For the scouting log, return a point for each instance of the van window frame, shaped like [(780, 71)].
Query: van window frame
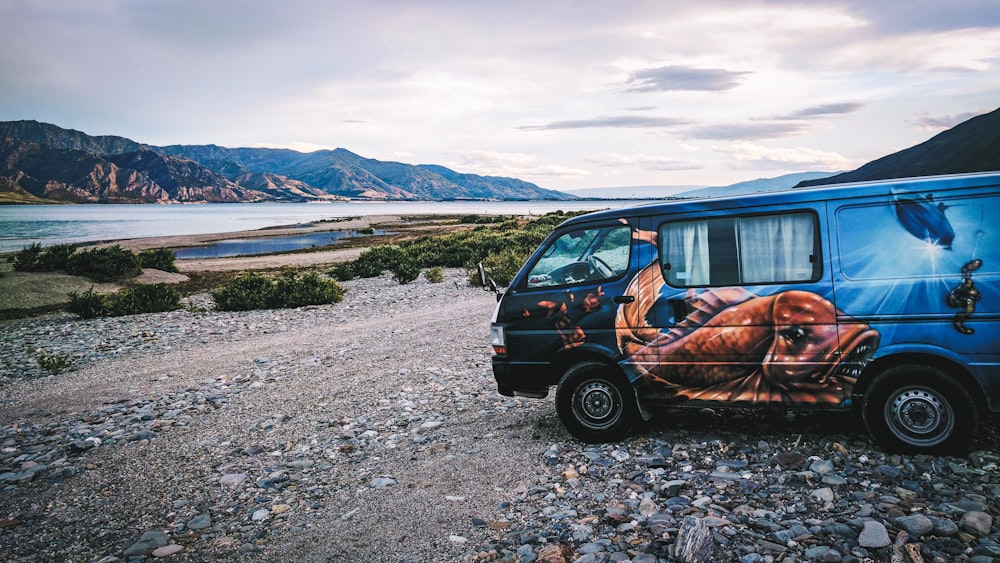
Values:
[(816, 256), (940, 198), (541, 255)]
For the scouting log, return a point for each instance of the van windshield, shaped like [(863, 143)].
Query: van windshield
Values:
[(585, 255)]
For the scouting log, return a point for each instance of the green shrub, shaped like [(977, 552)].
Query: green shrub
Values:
[(484, 219), (343, 272), (35, 258), (57, 256), (133, 300), (292, 290), (501, 242), (54, 363), (28, 259), (376, 260), (435, 274), (87, 305), (112, 263), (142, 298), (405, 271), (245, 293), (158, 259), (254, 291), (501, 267)]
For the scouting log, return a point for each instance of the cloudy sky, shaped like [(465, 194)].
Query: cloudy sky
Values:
[(566, 94)]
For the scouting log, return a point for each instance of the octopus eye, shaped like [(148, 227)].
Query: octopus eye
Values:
[(793, 335)]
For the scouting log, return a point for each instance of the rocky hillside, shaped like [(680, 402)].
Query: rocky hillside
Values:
[(33, 172), (970, 146), (40, 162)]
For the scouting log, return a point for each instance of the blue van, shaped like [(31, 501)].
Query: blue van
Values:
[(881, 296)]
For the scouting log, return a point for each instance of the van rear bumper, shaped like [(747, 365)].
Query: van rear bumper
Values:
[(521, 380)]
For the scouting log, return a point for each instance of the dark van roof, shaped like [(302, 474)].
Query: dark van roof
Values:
[(799, 195)]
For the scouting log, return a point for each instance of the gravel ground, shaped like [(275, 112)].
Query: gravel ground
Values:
[(371, 430)]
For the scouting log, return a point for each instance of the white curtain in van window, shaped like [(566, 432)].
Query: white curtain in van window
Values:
[(687, 253), (776, 248)]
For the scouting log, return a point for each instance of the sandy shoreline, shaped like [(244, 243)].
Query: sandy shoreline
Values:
[(23, 290), (337, 253)]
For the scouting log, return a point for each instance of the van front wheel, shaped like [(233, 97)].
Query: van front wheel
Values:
[(919, 409), (596, 403)]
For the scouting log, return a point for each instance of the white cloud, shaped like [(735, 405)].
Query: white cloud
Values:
[(942, 122), (295, 146), (629, 121), (679, 77), (648, 162), (920, 52), (749, 155), (670, 92), (520, 165), (751, 130)]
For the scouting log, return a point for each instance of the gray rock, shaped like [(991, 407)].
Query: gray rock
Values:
[(383, 482), (834, 480), (694, 542), (976, 523), (824, 494), (821, 466), (147, 543), (915, 524), (232, 479), (943, 526), (200, 522), (874, 535)]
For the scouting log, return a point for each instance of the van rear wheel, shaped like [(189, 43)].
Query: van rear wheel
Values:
[(919, 409), (596, 403)]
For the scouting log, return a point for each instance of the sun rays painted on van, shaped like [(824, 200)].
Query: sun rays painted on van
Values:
[(268, 245)]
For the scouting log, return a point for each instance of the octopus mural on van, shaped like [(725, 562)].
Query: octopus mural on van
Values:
[(735, 346)]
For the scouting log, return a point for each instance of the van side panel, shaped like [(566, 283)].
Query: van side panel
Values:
[(923, 268), (751, 343)]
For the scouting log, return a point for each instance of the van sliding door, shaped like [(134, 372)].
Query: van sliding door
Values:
[(743, 312)]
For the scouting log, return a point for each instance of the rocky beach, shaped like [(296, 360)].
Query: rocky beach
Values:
[(371, 430)]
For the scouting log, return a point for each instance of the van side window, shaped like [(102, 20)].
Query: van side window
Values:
[(586, 255), (746, 250), (927, 236)]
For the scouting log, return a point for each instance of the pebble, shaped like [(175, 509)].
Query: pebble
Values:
[(689, 487)]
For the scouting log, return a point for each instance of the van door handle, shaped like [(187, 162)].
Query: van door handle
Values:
[(622, 299)]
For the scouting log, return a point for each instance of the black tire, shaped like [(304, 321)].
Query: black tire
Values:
[(596, 403), (919, 409)]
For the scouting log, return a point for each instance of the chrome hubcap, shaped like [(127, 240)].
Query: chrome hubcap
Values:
[(918, 415), (599, 404)]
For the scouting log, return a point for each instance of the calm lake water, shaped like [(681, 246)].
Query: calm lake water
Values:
[(268, 245), (21, 225)]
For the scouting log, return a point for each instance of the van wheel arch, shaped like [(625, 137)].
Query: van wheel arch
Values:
[(596, 402), (954, 370), (564, 362), (913, 407)]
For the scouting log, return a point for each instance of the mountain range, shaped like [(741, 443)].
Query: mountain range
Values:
[(44, 163)]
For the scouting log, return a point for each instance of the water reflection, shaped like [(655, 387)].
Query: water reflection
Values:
[(267, 245)]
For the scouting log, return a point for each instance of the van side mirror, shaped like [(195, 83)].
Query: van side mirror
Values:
[(488, 283)]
